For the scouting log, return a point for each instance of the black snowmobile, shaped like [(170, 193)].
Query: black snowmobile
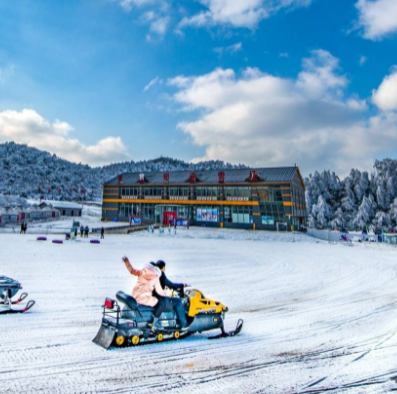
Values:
[(131, 324), (8, 289)]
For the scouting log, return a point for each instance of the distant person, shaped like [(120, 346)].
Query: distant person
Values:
[(81, 231), (86, 230), (25, 227), (22, 228), (102, 233)]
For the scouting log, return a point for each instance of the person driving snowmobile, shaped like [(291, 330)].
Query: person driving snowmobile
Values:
[(164, 281), (148, 282), (166, 303)]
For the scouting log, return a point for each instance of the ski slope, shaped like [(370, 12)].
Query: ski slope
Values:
[(318, 317)]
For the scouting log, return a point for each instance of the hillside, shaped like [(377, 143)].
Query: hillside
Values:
[(30, 172)]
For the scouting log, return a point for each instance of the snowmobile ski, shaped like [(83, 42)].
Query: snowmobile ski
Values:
[(20, 299), (28, 306), (226, 334), (8, 290)]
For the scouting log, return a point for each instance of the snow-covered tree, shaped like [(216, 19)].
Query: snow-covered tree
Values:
[(365, 213)]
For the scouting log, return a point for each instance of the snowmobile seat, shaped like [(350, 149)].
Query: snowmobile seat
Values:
[(127, 300), (145, 308), (131, 302)]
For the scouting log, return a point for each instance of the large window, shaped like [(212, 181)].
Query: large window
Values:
[(128, 210), (148, 211), (130, 193), (272, 213), (207, 193), (269, 194), (152, 193), (238, 193), (236, 214), (179, 193)]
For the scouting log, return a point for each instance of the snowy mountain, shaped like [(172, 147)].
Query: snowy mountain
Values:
[(29, 172)]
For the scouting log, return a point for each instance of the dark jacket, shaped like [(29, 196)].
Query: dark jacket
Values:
[(165, 282)]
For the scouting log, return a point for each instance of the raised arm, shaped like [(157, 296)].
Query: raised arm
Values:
[(130, 268)]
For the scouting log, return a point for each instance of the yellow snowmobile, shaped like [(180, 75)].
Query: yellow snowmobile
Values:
[(131, 324)]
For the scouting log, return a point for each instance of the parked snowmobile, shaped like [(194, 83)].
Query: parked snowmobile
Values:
[(131, 325), (8, 289)]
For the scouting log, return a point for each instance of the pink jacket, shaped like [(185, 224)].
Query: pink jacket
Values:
[(148, 281)]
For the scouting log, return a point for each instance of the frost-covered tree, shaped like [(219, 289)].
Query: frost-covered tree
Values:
[(339, 219), (321, 213), (382, 220), (365, 213)]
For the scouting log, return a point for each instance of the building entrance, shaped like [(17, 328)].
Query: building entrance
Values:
[(169, 218)]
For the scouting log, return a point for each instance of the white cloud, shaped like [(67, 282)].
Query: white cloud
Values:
[(238, 13), (363, 60), (153, 82), (319, 74), (229, 49), (28, 127), (378, 18), (127, 5), (385, 97), (154, 13), (260, 119), (160, 25)]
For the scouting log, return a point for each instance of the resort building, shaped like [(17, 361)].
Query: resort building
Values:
[(262, 198)]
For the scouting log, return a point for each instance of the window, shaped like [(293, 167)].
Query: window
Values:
[(236, 214), (148, 211), (238, 193), (207, 193), (128, 210), (241, 214), (153, 192), (130, 193), (178, 193), (269, 194), (272, 213)]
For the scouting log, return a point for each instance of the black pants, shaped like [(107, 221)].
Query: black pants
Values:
[(166, 304)]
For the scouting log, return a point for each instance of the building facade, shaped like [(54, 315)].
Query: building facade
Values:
[(65, 208), (263, 198)]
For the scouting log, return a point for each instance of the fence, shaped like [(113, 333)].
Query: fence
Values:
[(328, 235)]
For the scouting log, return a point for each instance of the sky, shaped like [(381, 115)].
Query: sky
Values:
[(259, 82)]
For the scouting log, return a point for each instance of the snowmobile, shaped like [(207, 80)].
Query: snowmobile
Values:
[(127, 323), (8, 289)]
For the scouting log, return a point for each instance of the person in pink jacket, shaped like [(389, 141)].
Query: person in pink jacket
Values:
[(148, 280)]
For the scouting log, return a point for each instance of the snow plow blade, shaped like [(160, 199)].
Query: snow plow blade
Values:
[(105, 336), (225, 334)]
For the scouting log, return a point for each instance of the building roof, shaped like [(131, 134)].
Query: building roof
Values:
[(276, 175), (62, 204)]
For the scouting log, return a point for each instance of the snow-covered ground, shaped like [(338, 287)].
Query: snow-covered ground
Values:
[(317, 316)]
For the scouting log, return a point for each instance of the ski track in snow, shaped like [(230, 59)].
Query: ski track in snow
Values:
[(318, 317)]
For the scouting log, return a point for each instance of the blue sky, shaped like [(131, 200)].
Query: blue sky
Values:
[(263, 82)]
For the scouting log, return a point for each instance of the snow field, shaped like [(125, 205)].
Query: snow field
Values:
[(316, 316)]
